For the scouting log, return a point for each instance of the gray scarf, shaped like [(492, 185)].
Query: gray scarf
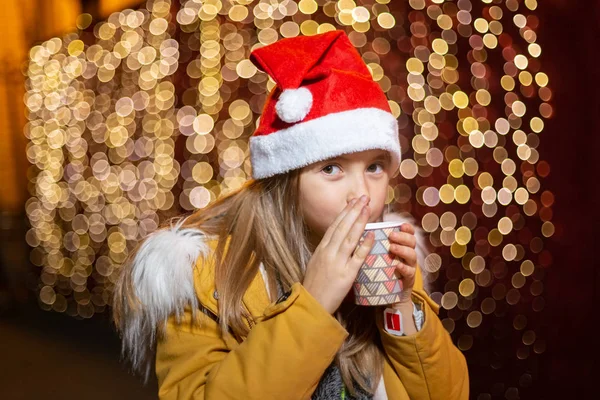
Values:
[(331, 386)]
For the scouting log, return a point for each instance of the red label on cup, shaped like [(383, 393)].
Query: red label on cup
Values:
[(393, 321)]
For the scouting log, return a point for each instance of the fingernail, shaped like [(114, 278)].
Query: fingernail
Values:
[(352, 202), (363, 198)]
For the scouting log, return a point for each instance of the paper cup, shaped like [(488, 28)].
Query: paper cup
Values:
[(376, 283)]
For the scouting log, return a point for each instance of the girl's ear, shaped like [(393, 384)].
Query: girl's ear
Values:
[(421, 248)]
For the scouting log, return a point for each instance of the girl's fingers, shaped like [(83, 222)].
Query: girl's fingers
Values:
[(327, 236), (357, 230), (406, 253), (361, 252), (408, 228), (345, 225), (405, 271), (404, 238)]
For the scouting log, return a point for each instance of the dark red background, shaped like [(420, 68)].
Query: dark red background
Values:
[(568, 36)]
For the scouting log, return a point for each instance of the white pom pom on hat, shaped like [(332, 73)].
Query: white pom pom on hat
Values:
[(294, 105)]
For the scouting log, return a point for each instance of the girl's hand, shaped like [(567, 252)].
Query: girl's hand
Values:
[(333, 267), (402, 245)]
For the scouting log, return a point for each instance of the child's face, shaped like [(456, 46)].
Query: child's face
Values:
[(326, 187)]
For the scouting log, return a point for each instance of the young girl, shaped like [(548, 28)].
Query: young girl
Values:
[(251, 297)]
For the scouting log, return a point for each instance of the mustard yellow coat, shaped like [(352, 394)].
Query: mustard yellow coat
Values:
[(291, 345)]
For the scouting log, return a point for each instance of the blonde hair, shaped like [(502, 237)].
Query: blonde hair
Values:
[(263, 222)]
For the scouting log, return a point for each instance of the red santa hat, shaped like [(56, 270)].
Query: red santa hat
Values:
[(325, 104)]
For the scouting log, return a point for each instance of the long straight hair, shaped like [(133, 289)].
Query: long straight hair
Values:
[(262, 223)]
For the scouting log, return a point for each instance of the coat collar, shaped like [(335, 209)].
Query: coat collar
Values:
[(256, 298)]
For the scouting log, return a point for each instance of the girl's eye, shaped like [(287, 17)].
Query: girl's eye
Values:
[(377, 164), (328, 169)]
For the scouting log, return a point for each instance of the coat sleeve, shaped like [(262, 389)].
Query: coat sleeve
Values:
[(429, 365), (283, 357)]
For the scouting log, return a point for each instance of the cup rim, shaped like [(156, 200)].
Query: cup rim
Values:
[(382, 225)]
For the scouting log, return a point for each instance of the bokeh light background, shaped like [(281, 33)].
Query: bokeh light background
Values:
[(147, 115)]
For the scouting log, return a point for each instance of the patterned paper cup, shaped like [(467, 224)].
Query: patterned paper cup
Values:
[(376, 283)]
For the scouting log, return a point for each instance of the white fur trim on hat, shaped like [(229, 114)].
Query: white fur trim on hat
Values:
[(294, 104), (163, 282), (323, 138)]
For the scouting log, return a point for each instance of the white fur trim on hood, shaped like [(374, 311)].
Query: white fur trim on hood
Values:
[(162, 278)]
